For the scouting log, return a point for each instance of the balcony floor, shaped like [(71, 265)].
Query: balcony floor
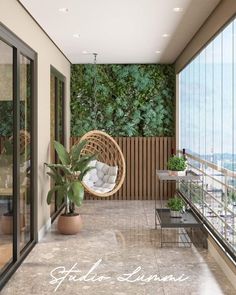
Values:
[(122, 234)]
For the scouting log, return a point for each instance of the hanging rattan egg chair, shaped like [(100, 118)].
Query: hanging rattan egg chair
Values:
[(109, 173)]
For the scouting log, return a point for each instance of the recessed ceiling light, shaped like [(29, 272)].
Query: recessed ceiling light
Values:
[(76, 35), (178, 9), (165, 35), (157, 51), (63, 9), (84, 51)]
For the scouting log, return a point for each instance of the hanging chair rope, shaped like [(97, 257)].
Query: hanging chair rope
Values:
[(95, 90)]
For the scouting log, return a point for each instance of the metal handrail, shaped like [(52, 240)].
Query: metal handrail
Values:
[(213, 197), (212, 165)]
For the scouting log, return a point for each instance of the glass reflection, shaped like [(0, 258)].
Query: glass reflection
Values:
[(25, 150), (6, 154)]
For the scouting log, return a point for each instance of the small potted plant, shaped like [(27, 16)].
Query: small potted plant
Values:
[(67, 177), (177, 166), (176, 206)]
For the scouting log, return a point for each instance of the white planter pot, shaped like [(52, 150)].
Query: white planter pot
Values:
[(176, 214), (177, 173)]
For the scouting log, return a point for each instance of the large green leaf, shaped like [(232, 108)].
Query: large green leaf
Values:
[(84, 172), (78, 193), (76, 150), (51, 192), (58, 179), (61, 195), (65, 169), (83, 162), (62, 153)]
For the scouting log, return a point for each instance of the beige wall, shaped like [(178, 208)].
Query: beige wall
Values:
[(13, 16), (225, 10)]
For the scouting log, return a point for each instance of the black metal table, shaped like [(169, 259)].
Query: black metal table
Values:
[(188, 220)]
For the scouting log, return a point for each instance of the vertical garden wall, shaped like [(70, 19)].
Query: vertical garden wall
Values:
[(125, 100)]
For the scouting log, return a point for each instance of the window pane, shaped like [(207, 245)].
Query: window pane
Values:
[(217, 86), (183, 108), (197, 106), (227, 140), (188, 131), (202, 89), (6, 153), (208, 130)]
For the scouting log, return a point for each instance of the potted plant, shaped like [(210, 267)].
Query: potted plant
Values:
[(176, 206), (177, 166), (67, 177)]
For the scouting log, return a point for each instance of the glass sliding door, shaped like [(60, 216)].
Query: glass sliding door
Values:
[(6, 154), (18, 188), (57, 123)]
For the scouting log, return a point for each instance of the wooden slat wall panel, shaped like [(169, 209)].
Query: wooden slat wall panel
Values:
[(143, 155), (140, 172), (132, 167), (165, 156), (136, 163), (149, 179)]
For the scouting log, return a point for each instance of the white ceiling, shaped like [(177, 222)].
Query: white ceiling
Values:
[(121, 31)]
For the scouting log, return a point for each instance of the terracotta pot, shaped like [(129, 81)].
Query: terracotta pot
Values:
[(7, 223), (69, 224)]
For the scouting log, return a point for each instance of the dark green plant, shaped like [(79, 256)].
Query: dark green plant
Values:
[(6, 115), (176, 163), (6, 158), (68, 175), (175, 204), (131, 100)]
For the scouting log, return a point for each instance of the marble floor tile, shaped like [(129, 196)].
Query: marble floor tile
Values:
[(119, 242)]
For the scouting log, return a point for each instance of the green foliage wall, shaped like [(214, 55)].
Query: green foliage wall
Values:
[(131, 100)]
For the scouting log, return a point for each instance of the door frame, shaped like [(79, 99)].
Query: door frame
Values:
[(20, 47), (62, 78)]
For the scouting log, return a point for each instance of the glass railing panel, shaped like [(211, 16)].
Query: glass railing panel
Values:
[(214, 197)]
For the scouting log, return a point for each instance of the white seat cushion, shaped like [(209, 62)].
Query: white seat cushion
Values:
[(102, 178)]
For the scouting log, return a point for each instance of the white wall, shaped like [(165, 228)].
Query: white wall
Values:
[(15, 18)]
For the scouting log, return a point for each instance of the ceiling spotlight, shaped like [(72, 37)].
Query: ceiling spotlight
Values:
[(76, 35), (165, 35), (63, 9), (157, 51), (178, 9)]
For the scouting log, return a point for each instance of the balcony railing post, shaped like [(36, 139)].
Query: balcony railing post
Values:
[(225, 205)]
